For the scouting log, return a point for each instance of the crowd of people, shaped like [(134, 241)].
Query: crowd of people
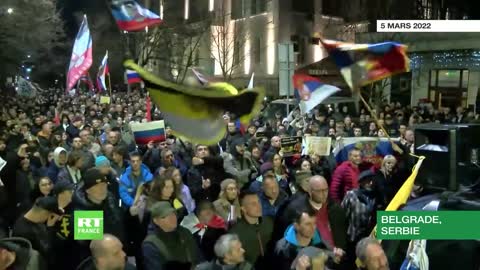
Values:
[(240, 204)]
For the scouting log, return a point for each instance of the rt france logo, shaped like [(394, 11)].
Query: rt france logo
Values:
[(88, 225)]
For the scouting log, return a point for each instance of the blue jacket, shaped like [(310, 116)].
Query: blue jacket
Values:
[(287, 249), (271, 210), (127, 187)]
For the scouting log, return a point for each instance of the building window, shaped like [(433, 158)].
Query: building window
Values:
[(237, 9), (258, 6), (236, 53), (257, 50), (331, 7), (448, 87)]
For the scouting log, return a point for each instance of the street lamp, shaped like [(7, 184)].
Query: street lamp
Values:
[(9, 10), (28, 56)]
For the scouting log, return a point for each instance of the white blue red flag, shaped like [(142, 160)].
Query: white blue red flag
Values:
[(310, 91), (148, 132), (102, 74), (373, 149), (133, 77), (130, 16), (81, 59)]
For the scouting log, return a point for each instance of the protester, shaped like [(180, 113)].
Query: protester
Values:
[(169, 246), (371, 254), (229, 255), (228, 206), (17, 253)]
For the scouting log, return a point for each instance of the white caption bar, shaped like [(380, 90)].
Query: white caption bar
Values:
[(428, 26)]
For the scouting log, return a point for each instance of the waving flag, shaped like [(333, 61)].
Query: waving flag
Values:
[(196, 113), (250, 83), (133, 77), (81, 59), (362, 64), (102, 73), (310, 91), (373, 149), (148, 132), (85, 79), (130, 16)]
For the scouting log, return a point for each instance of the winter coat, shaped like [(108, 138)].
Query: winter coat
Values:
[(54, 167), (344, 178), (213, 169), (287, 248), (222, 207), (255, 238), (127, 187), (271, 210), (113, 220), (240, 166), (64, 175), (336, 217), (173, 250), (26, 258)]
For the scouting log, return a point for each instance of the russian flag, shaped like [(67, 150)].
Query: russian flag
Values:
[(373, 149), (363, 64), (102, 73), (148, 132), (310, 91), (130, 16), (133, 77)]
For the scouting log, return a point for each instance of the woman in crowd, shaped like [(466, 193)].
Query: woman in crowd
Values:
[(42, 188), (227, 206), (163, 189), (182, 190)]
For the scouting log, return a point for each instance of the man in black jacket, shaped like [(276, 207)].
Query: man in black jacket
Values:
[(206, 174), (168, 246), (93, 195)]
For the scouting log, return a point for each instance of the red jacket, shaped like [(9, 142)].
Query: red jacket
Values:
[(344, 178)]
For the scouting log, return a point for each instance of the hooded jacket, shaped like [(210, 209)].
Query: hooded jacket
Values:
[(54, 167), (127, 185), (26, 257), (286, 250)]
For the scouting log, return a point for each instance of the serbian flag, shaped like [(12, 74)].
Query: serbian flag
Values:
[(310, 91), (81, 59), (133, 77), (130, 16), (148, 132), (362, 64), (102, 73)]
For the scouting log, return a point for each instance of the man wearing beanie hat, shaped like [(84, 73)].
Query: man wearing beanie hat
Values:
[(102, 163), (93, 194)]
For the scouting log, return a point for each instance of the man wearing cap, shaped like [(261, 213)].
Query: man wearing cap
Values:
[(93, 194), (169, 246), (17, 253), (238, 162), (36, 225)]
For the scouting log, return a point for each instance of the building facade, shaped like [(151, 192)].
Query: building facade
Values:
[(243, 36)]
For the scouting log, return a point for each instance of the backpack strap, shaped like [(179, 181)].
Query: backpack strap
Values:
[(159, 245)]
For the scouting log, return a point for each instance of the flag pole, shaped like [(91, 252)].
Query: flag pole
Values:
[(110, 84)]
